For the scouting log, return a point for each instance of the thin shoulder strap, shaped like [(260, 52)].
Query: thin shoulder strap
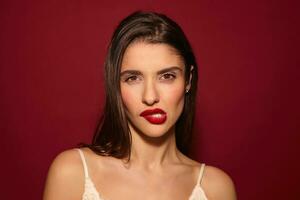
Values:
[(201, 174), (86, 173)]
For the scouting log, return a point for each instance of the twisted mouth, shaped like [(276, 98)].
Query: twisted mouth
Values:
[(154, 116)]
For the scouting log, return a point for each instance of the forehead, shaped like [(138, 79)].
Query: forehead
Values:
[(150, 57)]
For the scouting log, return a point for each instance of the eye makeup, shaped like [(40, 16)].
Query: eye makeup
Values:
[(166, 74)]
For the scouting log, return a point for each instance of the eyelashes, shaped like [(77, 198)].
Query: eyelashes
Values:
[(132, 79), (166, 77)]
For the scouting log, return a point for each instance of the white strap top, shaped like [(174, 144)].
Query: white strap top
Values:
[(91, 193)]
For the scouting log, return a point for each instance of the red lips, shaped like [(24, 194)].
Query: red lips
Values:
[(155, 116)]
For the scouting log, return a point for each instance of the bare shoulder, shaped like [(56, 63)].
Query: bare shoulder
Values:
[(67, 162), (218, 184), (65, 177)]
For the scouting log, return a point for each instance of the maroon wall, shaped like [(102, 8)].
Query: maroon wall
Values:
[(51, 87)]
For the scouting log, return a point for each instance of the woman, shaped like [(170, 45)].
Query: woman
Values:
[(138, 151)]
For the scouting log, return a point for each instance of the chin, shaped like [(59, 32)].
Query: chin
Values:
[(152, 131), (155, 134)]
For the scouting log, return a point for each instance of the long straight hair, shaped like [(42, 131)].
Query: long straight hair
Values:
[(112, 136)]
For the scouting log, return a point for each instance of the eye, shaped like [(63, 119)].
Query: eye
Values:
[(168, 76), (131, 79)]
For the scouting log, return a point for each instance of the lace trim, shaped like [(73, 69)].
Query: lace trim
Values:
[(198, 194), (90, 192)]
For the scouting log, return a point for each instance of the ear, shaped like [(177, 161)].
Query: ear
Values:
[(188, 86)]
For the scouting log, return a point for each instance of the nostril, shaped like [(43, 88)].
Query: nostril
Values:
[(150, 101)]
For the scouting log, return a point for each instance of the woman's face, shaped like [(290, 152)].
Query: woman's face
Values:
[(152, 87)]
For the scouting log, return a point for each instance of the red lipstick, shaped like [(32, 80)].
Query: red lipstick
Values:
[(155, 116)]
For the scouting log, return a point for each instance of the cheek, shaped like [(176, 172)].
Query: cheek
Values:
[(129, 97), (175, 96)]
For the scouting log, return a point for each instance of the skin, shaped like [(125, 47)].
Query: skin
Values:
[(157, 170)]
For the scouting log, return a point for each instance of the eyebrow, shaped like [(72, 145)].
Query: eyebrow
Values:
[(173, 68), (136, 72)]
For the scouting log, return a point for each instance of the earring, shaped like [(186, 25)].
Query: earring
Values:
[(186, 91)]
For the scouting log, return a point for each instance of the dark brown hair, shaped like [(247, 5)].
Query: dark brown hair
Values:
[(113, 137)]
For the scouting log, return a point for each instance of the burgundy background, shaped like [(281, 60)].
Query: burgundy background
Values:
[(51, 87)]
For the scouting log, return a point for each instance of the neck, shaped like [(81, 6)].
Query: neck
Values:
[(153, 152)]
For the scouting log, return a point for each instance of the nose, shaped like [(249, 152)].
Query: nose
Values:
[(150, 93)]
